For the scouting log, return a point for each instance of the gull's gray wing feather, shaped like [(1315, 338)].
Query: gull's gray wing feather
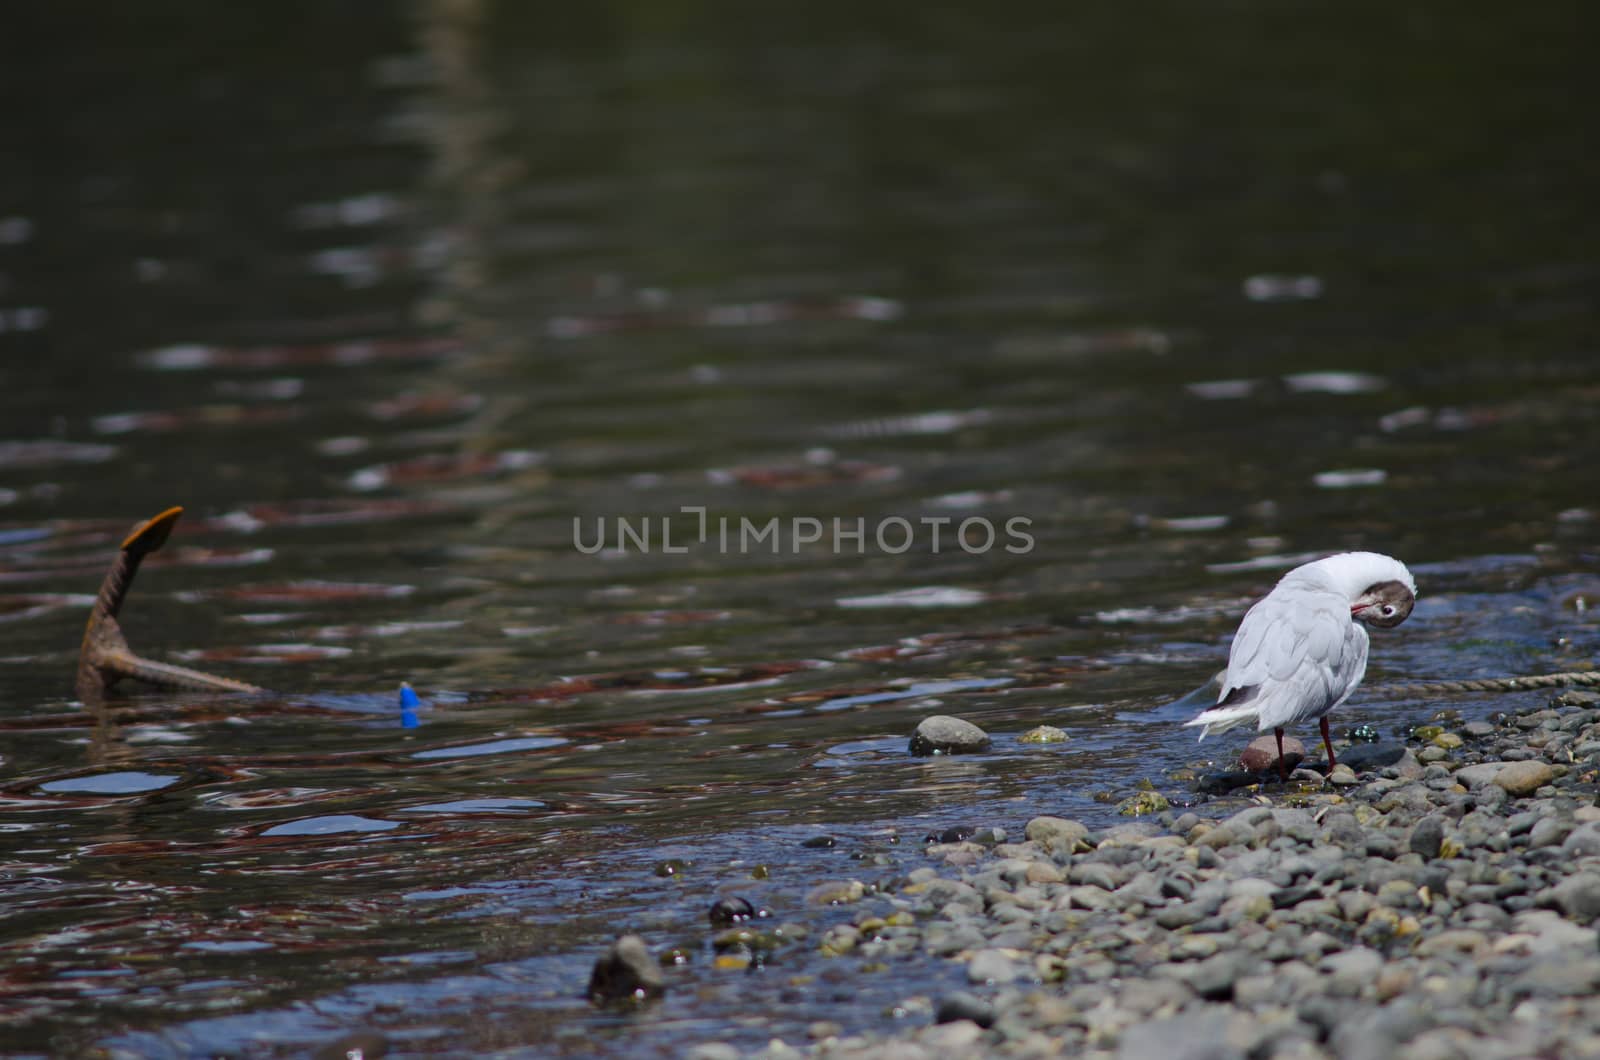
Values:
[(1299, 652)]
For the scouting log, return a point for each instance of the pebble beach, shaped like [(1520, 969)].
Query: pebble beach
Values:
[(1441, 906)]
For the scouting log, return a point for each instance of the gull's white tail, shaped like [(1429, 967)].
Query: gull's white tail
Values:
[(1221, 719)]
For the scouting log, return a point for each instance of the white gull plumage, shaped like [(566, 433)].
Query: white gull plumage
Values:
[(1302, 649)]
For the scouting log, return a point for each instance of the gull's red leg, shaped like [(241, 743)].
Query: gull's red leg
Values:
[(1327, 741), (1283, 772)]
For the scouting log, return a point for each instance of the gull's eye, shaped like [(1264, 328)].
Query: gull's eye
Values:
[(1388, 610)]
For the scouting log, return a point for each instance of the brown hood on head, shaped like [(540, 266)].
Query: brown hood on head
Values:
[(1384, 604)]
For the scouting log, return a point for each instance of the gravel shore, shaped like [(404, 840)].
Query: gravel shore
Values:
[(1443, 906)]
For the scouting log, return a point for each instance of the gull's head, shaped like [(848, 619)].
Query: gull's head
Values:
[(1381, 589), (1384, 604)]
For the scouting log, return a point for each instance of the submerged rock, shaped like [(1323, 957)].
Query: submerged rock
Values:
[(1141, 803), (626, 972), (1222, 783), (1043, 734), (1364, 758), (941, 734), (731, 910)]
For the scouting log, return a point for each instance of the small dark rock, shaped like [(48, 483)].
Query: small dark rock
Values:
[(671, 867), (820, 842), (1222, 783), (1379, 845), (1284, 897), (941, 734), (626, 972), (1213, 978), (731, 910), (1427, 837), (965, 1006), (1366, 758)]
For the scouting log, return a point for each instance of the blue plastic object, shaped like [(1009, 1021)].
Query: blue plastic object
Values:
[(409, 702)]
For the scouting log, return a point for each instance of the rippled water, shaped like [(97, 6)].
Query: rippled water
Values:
[(404, 307)]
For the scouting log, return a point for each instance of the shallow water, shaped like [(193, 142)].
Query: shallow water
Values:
[(388, 302)]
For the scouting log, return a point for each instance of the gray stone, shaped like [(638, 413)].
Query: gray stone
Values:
[(836, 892), (1480, 775), (1427, 837), (993, 966), (1056, 834), (1377, 1034), (1368, 757), (1353, 970), (1213, 978), (1562, 975), (1180, 916), (1551, 931), (1579, 896), (941, 734), (626, 972), (1548, 832), (1094, 874), (1583, 841), (1198, 1034), (1524, 778)]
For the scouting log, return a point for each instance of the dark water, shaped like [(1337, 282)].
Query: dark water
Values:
[(389, 297)]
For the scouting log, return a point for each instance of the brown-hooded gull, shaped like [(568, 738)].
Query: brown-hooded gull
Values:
[(1302, 649)]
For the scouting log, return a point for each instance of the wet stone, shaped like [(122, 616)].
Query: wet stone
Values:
[(1342, 776), (964, 1006), (731, 910), (1368, 758), (1262, 753), (1142, 803), (836, 892), (1056, 834), (941, 734), (626, 972)]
